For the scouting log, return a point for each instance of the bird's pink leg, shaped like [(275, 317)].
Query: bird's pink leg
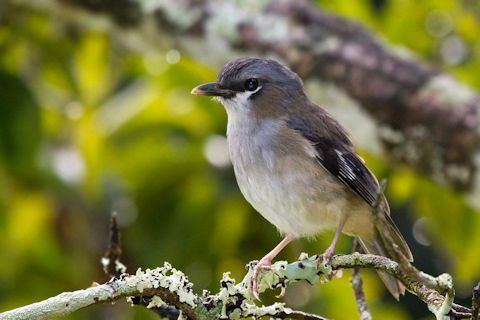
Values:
[(328, 254), (266, 263)]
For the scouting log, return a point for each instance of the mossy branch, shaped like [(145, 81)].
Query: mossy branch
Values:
[(168, 291), (168, 286)]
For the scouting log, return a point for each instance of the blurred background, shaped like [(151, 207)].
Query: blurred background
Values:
[(89, 126)]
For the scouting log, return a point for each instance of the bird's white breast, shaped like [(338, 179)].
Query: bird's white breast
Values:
[(278, 174)]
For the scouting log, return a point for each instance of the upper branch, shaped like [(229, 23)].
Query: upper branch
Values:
[(427, 119)]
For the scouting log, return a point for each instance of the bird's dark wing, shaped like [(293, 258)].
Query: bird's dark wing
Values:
[(348, 167), (336, 153)]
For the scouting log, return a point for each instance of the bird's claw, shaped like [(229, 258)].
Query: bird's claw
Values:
[(327, 255), (323, 263), (261, 265)]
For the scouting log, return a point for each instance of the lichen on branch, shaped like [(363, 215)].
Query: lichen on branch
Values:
[(170, 287)]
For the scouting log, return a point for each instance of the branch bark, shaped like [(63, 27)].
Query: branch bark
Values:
[(163, 286), (167, 286), (111, 260), (357, 285), (426, 118), (476, 302), (166, 283)]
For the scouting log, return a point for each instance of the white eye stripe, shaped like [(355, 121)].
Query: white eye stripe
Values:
[(239, 102), (247, 94), (256, 90)]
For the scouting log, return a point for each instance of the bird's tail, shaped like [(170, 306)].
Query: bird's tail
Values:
[(387, 241)]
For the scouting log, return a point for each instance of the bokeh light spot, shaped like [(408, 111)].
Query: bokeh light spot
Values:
[(215, 151)]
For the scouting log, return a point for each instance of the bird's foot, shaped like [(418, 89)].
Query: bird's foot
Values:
[(263, 264), (323, 262), (328, 254)]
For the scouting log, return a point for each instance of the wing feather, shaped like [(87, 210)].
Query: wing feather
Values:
[(348, 168), (335, 152)]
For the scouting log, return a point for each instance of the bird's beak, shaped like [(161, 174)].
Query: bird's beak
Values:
[(212, 89)]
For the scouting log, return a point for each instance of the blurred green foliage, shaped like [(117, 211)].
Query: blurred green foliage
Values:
[(89, 127)]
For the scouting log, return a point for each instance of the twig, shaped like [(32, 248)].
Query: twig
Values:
[(432, 298), (460, 308), (357, 285), (436, 302), (299, 315), (114, 268), (165, 311), (456, 315), (111, 260), (476, 302)]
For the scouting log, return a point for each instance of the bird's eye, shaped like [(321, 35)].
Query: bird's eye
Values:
[(251, 84)]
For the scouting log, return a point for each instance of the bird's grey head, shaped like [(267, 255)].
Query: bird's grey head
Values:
[(256, 86)]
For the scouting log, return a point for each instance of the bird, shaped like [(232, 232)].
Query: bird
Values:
[(297, 166)]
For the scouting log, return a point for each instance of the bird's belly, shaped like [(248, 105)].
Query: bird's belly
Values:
[(296, 195)]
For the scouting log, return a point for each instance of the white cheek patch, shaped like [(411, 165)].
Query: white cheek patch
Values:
[(239, 102)]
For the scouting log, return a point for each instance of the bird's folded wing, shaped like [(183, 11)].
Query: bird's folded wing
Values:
[(335, 152), (350, 170)]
